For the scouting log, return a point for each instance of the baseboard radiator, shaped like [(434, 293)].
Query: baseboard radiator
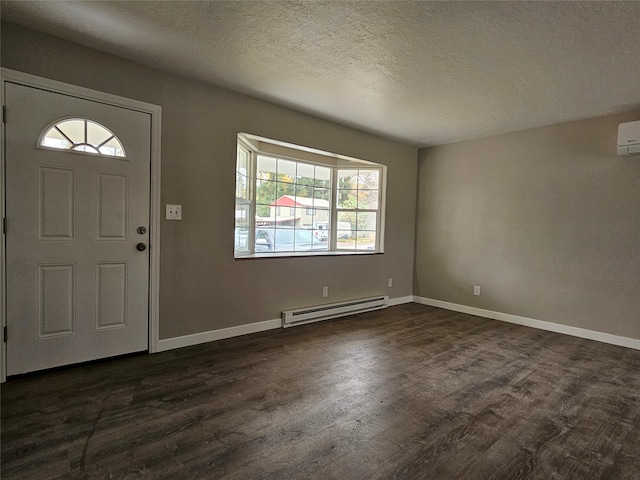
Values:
[(333, 310)]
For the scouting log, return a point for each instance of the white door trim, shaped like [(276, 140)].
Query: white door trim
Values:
[(155, 112)]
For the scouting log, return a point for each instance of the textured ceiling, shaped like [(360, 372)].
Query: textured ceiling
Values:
[(425, 73)]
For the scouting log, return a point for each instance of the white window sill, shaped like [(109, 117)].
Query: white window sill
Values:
[(338, 253)]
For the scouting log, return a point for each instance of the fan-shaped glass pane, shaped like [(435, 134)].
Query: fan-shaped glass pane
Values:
[(82, 135), (97, 134), (73, 130), (112, 147), (55, 139), (85, 148)]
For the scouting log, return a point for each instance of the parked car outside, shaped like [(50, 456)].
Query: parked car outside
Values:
[(321, 235), (344, 230), (287, 240), (321, 230)]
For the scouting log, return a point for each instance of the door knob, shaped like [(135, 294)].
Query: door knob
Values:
[(141, 247)]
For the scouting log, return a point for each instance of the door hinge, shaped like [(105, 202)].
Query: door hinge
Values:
[(4, 114), (4, 225), (4, 334)]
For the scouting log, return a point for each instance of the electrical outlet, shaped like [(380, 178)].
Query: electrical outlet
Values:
[(476, 289), (174, 212), (390, 283), (325, 292)]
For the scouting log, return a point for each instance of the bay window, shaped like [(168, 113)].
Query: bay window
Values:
[(293, 200)]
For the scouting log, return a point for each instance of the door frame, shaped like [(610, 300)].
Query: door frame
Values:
[(155, 111)]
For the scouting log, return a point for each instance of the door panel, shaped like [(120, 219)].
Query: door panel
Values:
[(112, 206), (55, 203), (77, 287), (56, 302), (111, 291)]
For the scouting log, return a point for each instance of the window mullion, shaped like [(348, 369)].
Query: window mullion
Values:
[(251, 185), (333, 205)]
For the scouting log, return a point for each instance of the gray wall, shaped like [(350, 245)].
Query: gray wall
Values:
[(202, 287), (546, 221)]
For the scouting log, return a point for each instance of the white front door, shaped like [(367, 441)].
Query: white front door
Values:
[(77, 285)]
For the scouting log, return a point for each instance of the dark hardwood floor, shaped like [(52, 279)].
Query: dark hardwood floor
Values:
[(411, 392)]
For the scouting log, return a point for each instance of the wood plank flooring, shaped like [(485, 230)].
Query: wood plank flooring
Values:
[(410, 392)]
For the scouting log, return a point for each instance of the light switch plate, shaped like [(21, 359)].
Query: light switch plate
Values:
[(174, 212)]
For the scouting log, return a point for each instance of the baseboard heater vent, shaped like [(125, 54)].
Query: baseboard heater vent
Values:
[(333, 310)]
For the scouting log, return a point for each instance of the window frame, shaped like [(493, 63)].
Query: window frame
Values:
[(335, 214), (336, 162), (250, 187)]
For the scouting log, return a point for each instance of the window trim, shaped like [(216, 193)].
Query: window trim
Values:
[(310, 156)]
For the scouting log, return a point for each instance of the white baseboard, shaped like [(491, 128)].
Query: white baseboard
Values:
[(399, 300), (531, 322), (212, 335)]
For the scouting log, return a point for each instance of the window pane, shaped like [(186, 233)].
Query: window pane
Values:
[(85, 148), (73, 129), (346, 220), (368, 179), (347, 178), (54, 139), (264, 240), (265, 192), (113, 147), (321, 204), (266, 168), (286, 171), (54, 133), (242, 162), (283, 216), (97, 134), (321, 231), (366, 241), (305, 174), (366, 220), (241, 186), (241, 243), (368, 199), (323, 177), (304, 195), (347, 199), (242, 227), (345, 230), (263, 212), (322, 194), (285, 240), (321, 216), (283, 189), (304, 240), (302, 220)]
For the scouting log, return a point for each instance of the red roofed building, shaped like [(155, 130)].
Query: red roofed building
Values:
[(296, 211)]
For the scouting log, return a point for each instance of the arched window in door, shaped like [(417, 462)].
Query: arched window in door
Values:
[(83, 135)]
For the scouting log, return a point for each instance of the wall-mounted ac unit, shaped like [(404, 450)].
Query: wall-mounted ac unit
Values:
[(629, 139)]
